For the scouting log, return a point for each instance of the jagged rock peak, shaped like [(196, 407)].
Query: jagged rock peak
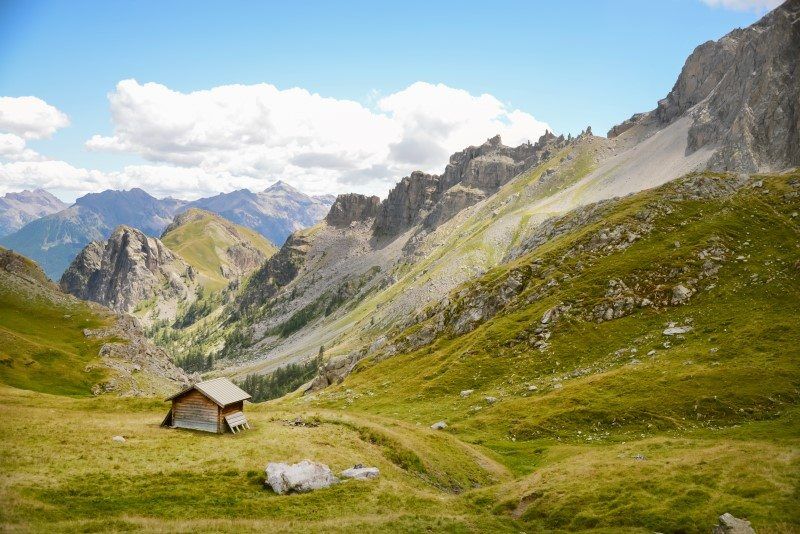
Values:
[(480, 171), (352, 207), (742, 96), (128, 268)]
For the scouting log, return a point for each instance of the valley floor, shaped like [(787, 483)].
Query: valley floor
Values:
[(61, 471)]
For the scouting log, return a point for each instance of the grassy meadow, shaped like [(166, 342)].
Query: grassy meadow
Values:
[(610, 427)]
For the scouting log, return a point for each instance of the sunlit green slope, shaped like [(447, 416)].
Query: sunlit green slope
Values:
[(577, 394)]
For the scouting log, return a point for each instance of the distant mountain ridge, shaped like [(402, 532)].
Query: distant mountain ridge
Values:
[(275, 212), (55, 239), (18, 209), (157, 279)]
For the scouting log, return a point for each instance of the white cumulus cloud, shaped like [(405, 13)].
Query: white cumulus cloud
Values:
[(757, 6), (248, 136), (30, 117), (233, 135)]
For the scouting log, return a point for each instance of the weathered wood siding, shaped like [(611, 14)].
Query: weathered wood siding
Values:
[(235, 407), (194, 410)]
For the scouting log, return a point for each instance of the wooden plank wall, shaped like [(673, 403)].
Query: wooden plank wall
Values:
[(194, 410)]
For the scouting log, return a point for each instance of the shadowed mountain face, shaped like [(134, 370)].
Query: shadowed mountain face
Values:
[(54, 240), (18, 209), (274, 212)]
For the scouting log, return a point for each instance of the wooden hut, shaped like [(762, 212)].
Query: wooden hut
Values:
[(214, 406)]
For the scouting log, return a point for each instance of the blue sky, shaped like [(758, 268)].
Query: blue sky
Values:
[(568, 64)]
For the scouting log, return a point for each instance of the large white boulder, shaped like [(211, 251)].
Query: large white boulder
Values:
[(300, 477)]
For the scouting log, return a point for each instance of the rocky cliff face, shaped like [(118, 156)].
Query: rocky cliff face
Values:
[(477, 171), (277, 272), (742, 95), (127, 269), (352, 207), (18, 209)]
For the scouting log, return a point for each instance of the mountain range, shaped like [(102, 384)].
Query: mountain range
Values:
[(371, 267), (53, 240), (579, 334), (155, 279), (275, 212), (18, 209)]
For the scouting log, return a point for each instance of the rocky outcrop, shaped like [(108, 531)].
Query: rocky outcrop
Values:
[(728, 524), (476, 171), (131, 353), (359, 472), (626, 125), (352, 207), (334, 370), (277, 272), (742, 96), (127, 269), (408, 202)]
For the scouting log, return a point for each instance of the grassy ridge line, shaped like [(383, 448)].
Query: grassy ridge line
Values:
[(204, 240)]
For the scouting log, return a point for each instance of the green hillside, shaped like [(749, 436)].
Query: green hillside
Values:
[(596, 422), (42, 346), (712, 412), (204, 240)]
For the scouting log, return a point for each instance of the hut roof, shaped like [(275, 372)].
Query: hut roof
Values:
[(220, 390)]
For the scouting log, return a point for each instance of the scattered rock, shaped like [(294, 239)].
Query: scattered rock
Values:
[(680, 294), (676, 330), (490, 400), (359, 472), (640, 457), (467, 392), (299, 421), (532, 388), (300, 477), (441, 425), (732, 525), (118, 439)]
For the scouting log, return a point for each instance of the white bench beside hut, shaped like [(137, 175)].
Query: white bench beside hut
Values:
[(213, 406)]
